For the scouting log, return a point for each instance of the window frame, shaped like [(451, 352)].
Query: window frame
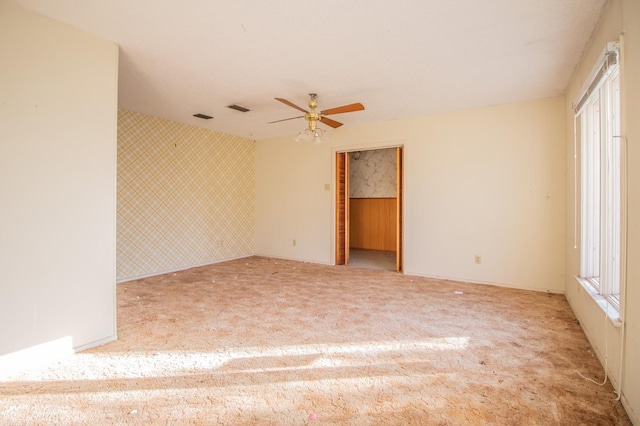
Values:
[(601, 178)]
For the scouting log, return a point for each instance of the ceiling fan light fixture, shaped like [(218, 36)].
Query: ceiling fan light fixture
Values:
[(316, 135)]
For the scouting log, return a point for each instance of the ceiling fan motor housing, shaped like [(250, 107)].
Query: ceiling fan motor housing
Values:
[(312, 116)]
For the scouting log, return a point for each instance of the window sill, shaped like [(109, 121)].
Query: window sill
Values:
[(612, 313)]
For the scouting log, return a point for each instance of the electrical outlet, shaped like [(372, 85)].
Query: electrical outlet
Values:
[(478, 259), (294, 242), (327, 187)]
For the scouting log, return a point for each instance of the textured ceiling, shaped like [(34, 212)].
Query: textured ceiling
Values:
[(400, 58)]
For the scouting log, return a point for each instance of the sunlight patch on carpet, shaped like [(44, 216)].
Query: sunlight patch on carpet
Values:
[(131, 365)]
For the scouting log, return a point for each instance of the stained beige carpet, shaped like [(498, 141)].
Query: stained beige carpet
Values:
[(264, 341)]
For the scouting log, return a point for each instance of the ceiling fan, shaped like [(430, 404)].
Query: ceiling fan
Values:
[(313, 117)]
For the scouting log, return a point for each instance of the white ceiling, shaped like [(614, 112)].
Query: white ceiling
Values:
[(400, 58)]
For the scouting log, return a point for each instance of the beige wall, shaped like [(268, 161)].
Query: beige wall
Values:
[(621, 16), (58, 104), (185, 196), (487, 182)]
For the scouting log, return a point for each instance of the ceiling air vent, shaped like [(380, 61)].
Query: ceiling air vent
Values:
[(203, 116), (238, 108)]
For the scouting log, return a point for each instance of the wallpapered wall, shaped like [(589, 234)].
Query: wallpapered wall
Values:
[(185, 196), (373, 175)]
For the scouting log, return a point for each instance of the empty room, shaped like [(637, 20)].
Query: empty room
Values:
[(281, 212)]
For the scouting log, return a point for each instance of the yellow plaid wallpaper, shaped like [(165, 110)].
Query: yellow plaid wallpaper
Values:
[(185, 196)]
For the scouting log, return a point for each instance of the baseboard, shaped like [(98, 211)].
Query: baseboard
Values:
[(294, 259), (155, 274), (95, 344), (601, 359), (496, 284), (36, 356), (627, 407)]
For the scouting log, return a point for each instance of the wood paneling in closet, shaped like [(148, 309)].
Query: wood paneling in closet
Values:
[(373, 223)]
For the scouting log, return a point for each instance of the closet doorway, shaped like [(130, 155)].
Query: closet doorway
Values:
[(369, 212)]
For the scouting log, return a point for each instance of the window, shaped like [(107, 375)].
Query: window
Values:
[(598, 114)]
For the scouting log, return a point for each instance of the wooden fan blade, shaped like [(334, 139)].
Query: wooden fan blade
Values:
[(345, 108), (285, 119), (292, 105), (330, 122)]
